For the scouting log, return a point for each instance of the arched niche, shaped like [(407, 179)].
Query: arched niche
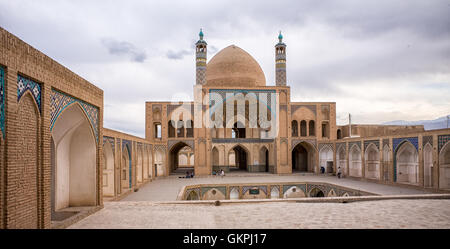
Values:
[(407, 164), (108, 170), (372, 162), (75, 159)]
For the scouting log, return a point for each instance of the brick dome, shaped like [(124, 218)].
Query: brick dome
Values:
[(232, 66)]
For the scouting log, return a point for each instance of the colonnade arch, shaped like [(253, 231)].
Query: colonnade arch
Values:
[(406, 164), (372, 162), (444, 167), (303, 157), (75, 159), (108, 170), (355, 166)]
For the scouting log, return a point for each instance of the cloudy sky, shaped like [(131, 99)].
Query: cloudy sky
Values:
[(379, 60)]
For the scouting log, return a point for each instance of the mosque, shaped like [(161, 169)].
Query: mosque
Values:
[(57, 158)]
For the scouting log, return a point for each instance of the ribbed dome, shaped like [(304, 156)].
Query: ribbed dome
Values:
[(232, 66)]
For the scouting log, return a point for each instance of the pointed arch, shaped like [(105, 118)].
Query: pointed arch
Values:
[(126, 167), (444, 167), (294, 192), (406, 166), (294, 128), (242, 154), (108, 170), (264, 158), (174, 155), (303, 157), (160, 161), (234, 194), (372, 162), (386, 161), (428, 165), (326, 158), (341, 159), (75, 159), (355, 167)]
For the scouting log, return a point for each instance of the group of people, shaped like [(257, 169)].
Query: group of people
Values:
[(338, 173), (219, 173)]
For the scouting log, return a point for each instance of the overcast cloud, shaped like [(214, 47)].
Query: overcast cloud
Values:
[(379, 60)]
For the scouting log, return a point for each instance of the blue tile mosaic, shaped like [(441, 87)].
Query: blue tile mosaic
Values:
[(60, 101), (24, 84), (442, 140)]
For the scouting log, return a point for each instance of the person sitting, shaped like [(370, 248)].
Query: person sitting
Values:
[(192, 174), (188, 175)]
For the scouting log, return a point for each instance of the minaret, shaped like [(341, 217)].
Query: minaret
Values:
[(280, 62), (200, 59)]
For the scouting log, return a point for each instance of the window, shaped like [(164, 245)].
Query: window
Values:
[(312, 131), (157, 130), (303, 128), (294, 128)]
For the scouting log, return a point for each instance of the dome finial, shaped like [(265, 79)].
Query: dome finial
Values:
[(201, 34), (280, 36)]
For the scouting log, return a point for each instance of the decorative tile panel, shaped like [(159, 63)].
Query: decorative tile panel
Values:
[(297, 141), (367, 142), (413, 140), (427, 139), (321, 146), (339, 146), (24, 84), (109, 140), (358, 143), (442, 140), (386, 141), (60, 101)]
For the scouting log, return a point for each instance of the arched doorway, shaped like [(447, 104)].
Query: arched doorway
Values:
[(126, 168), (386, 160), (303, 157), (108, 170), (326, 159), (372, 163), (160, 160), (444, 167), (315, 192), (240, 157), (428, 166), (179, 158), (264, 158), (355, 161), (407, 166), (341, 160), (75, 159)]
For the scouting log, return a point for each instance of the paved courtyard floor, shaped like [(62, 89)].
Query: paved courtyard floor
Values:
[(143, 209), (367, 214), (167, 189)]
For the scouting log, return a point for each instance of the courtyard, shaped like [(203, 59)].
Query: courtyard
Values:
[(154, 205)]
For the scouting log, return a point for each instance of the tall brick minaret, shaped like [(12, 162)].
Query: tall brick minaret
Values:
[(200, 60), (280, 62)]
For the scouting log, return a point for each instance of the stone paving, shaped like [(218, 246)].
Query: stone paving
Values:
[(278, 215), (143, 209), (167, 189)]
